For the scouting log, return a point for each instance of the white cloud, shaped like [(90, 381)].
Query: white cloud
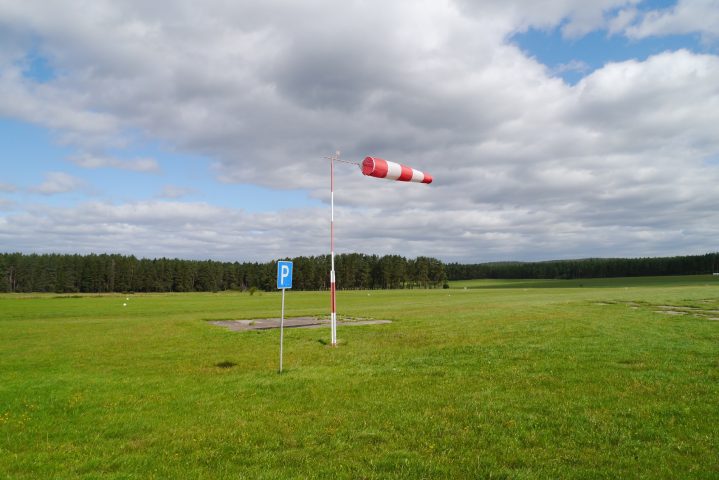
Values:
[(58, 182), (525, 165), (7, 187), (153, 229), (174, 192), (622, 20), (668, 103), (574, 17), (98, 161), (572, 66), (686, 17), (66, 110), (198, 230)]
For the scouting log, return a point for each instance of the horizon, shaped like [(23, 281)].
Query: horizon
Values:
[(271, 260)]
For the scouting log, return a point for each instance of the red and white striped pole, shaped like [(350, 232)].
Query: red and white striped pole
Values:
[(333, 300), (371, 167)]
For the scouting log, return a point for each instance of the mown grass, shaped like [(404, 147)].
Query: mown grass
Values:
[(671, 281), (530, 380)]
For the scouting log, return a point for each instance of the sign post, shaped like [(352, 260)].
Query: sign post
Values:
[(284, 281)]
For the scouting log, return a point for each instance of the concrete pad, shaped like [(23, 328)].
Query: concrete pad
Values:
[(295, 322)]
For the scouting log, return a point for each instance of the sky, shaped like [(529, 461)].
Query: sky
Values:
[(556, 129)]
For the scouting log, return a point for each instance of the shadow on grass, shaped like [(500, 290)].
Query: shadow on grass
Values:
[(225, 364)]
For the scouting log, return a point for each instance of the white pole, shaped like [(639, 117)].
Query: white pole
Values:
[(282, 327)]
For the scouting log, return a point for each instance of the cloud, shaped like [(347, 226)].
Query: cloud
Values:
[(7, 188), (572, 66), (52, 105), (96, 161), (174, 192), (686, 17), (573, 17), (58, 182), (154, 228), (667, 102), (621, 20), (200, 230), (525, 166)]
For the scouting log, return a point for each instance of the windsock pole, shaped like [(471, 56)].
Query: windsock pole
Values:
[(372, 167), (333, 302), (333, 287)]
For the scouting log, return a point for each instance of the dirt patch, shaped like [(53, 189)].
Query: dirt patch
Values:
[(675, 310), (296, 322), (687, 310)]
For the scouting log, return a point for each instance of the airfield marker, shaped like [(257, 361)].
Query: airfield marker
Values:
[(333, 288), (370, 167)]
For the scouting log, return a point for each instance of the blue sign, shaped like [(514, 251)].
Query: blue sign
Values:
[(284, 274)]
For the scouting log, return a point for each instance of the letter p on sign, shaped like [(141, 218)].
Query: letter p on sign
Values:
[(284, 275)]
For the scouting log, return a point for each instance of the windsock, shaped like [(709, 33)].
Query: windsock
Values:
[(377, 167)]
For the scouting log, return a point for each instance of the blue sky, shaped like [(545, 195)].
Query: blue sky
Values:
[(594, 50), (33, 151), (570, 129)]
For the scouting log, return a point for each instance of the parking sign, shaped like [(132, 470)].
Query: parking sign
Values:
[(284, 275)]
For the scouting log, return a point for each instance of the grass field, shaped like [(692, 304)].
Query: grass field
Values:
[(591, 379)]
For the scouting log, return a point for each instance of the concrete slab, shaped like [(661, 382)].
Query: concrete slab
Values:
[(295, 322)]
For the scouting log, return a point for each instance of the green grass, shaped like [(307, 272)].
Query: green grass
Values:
[(506, 379), (698, 280)]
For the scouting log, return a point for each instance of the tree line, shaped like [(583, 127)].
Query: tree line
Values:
[(588, 268), (93, 273), (119, 273)]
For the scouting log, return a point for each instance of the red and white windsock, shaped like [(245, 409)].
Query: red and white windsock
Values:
[(377, 167)]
